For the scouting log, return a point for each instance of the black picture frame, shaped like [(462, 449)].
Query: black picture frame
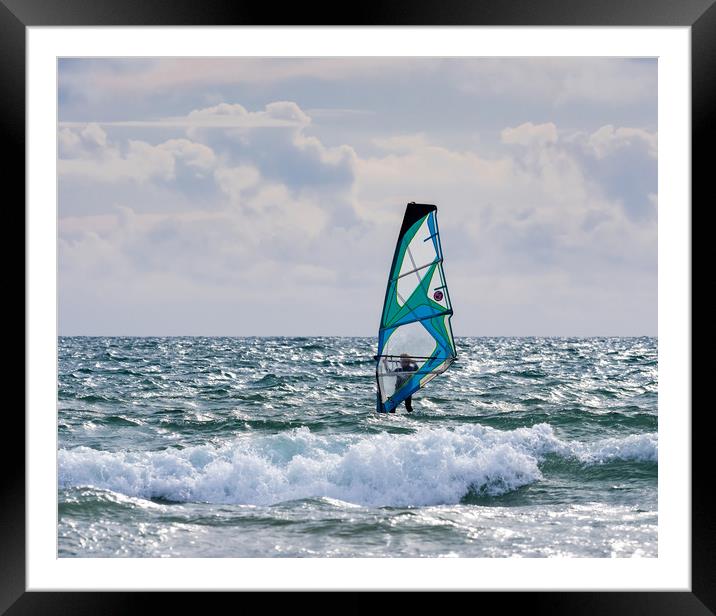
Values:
[(700, 15)]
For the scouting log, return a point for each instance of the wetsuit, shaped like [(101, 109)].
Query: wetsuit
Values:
[(402, 376)]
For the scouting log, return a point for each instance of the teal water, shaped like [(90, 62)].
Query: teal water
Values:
[(259, 447)]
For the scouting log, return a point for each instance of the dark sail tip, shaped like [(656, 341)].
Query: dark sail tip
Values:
[(413, 213)]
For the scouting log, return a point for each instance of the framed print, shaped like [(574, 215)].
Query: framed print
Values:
[(214, 205)]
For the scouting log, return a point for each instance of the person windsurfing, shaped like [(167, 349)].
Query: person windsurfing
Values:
[(415, 320), (403, 372)]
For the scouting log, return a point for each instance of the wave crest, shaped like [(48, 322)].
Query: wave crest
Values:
[(428, 467)]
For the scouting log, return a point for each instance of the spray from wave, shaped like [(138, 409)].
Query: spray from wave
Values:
[(429, 467)]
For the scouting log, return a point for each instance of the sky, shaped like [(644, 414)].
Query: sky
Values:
[(263, 196)]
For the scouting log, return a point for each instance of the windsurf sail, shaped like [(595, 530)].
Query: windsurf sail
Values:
[(415, 340)]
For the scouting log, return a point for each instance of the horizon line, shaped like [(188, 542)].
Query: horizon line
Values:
[(347, 336)]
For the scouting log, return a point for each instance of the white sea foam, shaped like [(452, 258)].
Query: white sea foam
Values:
[(428, 467)]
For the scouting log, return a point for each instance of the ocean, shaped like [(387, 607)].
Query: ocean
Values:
[(271, 447)]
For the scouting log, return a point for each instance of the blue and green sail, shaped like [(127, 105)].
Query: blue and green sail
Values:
[(416, 314)]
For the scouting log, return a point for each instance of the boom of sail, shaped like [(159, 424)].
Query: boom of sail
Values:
[(415, 330)]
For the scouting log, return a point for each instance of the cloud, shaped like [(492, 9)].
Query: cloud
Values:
[(622, 162), (276, 114), (540, 206), (140, 162), (289, 156), (261, 236), (72, 143), (546, 226), (530, 134), (192, 154), (87, 155), (224, 115), (288, 221), (608, 140), (234, 181), (117, 77), (401, 143), (560, 81)]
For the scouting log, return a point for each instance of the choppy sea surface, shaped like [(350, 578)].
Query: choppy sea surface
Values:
[(262, 447)]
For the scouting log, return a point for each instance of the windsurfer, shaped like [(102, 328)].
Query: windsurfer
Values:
[(403, 372)]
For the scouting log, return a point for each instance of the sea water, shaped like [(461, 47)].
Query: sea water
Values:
[(271, 447)]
